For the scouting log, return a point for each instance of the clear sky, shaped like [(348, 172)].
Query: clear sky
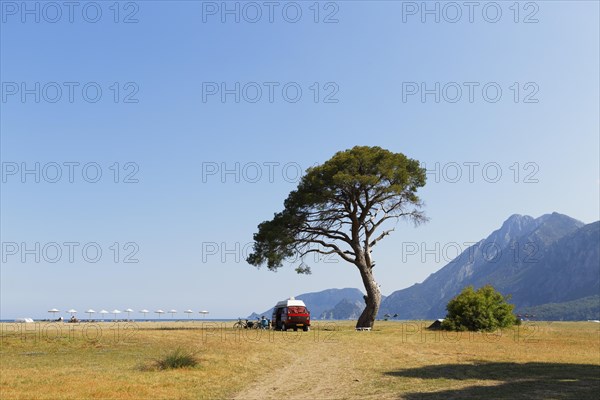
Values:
[(204, 112)]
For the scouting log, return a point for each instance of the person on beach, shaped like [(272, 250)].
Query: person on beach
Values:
[(264, 323)]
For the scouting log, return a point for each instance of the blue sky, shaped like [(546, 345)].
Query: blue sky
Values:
[(177, 212)]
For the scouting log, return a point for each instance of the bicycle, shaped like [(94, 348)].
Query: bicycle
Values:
[(241, 324)]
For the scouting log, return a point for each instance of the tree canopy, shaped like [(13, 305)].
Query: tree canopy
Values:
[(339, 205)]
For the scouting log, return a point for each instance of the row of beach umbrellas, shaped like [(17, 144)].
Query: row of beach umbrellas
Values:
[(115, 312)]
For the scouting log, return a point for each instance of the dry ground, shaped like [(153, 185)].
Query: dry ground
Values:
[(398, 360)]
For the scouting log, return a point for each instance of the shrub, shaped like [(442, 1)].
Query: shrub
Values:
[(484, 309), (177, 358)]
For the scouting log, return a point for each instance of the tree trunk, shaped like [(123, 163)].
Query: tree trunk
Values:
[(372, 299)]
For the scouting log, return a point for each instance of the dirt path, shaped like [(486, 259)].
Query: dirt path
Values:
[(321, 372)]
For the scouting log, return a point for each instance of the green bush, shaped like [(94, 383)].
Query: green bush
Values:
[(484, 309), (177, 358)]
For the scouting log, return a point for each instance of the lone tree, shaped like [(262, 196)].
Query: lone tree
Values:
[(484, 309), (341, 207)]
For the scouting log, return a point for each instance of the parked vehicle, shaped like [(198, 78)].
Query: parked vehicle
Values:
[(291, 314)]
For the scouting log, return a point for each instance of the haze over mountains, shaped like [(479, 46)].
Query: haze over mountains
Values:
[(549, 265)]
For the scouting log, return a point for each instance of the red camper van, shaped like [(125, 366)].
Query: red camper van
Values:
[(291, 314)]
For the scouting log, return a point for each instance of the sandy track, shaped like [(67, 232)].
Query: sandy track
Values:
[(321, 372)]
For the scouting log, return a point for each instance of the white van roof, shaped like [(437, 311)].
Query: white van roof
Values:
[(290, 302)]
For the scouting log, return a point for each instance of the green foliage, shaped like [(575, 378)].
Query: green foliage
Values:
[(177, 358), (484, 309), (341, 202)]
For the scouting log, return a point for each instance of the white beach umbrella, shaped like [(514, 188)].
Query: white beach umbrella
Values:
[(144, 311), (53, 311), (172, 312), (204, 312), (159, 312), (104, 312), (188, 312), (115, 312), (72, 312), (128, 310), (89, 313)]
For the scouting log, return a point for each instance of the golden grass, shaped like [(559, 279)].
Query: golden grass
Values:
[(395, 360)]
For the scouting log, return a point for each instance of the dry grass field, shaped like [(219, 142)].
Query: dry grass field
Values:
[(397, 360)]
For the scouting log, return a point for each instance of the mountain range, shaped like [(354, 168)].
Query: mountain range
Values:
[(322, 303), (548, 265), (550, 259)]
